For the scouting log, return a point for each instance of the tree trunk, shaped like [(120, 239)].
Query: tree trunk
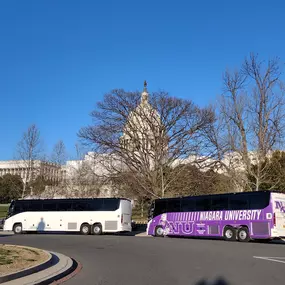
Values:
[(142, 208)]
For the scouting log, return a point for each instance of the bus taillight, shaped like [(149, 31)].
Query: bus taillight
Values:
[(274, 220), (122, 217)]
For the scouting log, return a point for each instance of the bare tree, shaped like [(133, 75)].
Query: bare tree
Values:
[(59, 155), (29, 150), (81, 178), (251, 120), (144, 134)]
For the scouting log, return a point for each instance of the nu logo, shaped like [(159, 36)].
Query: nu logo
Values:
[(279, 205), (179, 227)]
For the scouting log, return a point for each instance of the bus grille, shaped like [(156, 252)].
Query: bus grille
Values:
[(72, 226), (260, 228), (213, 229), (111, 225)]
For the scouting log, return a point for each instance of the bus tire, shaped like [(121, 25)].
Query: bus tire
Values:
[(17, 229), (229, 233), (97, 229), (159, 232), (85, 229), (243, 234)]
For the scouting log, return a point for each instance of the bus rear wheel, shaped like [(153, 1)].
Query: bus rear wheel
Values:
[(97, 229), (85, 229), (229, 233), (18, 229), (159, 232), (243, 234)]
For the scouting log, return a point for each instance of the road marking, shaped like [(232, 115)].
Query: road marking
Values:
[(276, 259)]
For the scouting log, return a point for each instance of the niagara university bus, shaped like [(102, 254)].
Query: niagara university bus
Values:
[(236, 216), (87, 216)]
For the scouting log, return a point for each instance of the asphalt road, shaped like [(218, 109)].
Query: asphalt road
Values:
[(130, 260)]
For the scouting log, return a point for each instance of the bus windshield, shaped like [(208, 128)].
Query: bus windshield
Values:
[(11, 209), (151, 210)]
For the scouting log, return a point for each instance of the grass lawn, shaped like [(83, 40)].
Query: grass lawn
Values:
[(15, 258), (5, 256), (3, 210)]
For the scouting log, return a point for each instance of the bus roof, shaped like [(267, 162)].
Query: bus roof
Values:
[(70, 199), (221, 194)]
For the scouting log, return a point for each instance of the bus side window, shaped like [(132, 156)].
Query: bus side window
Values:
[(188, 204), (239, 202), (203, 203), (35, 206), (259, 200), (160, 207), (21, 206), (64, 206), (80, 206), (219, 203), (95, 204), (17, 208), (173, 205), (111, 204), (49, 206)]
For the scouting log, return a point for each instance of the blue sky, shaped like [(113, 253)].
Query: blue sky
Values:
[(58, 58)]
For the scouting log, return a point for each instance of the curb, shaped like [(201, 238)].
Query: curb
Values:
[(57, 270), (70, 275), (31, 270), (64, 276)]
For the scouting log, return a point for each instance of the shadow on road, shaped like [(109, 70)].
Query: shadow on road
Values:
[(262, 241), (136, 229), (219, 281), (4, 235)]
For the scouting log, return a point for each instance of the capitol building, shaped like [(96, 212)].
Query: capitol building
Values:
[(87, 177)]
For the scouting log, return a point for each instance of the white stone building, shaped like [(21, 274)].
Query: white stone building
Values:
[(48, 170)]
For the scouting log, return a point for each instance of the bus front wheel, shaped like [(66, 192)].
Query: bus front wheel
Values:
[(17, 229), (97, 229), (85, 229), (243, 234), (229, 233), (159, 231)]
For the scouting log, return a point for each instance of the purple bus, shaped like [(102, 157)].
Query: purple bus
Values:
[(236, 216)]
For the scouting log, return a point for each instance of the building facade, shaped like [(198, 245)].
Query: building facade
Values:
[(29, 171)]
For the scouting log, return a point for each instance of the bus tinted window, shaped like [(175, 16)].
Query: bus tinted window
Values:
[(238, 202), (111, 204), (188, 204), (203, 204), (64, 206), (81, 206), (95, 205), (49, 205), (258, 200), (173, 205), (21, 206), (219, 203), (160, 207), (35, 206)]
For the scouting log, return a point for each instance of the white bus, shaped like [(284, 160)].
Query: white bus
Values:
[(87, 216)]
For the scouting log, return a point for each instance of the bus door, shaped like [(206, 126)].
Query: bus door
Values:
[(278, 204)]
